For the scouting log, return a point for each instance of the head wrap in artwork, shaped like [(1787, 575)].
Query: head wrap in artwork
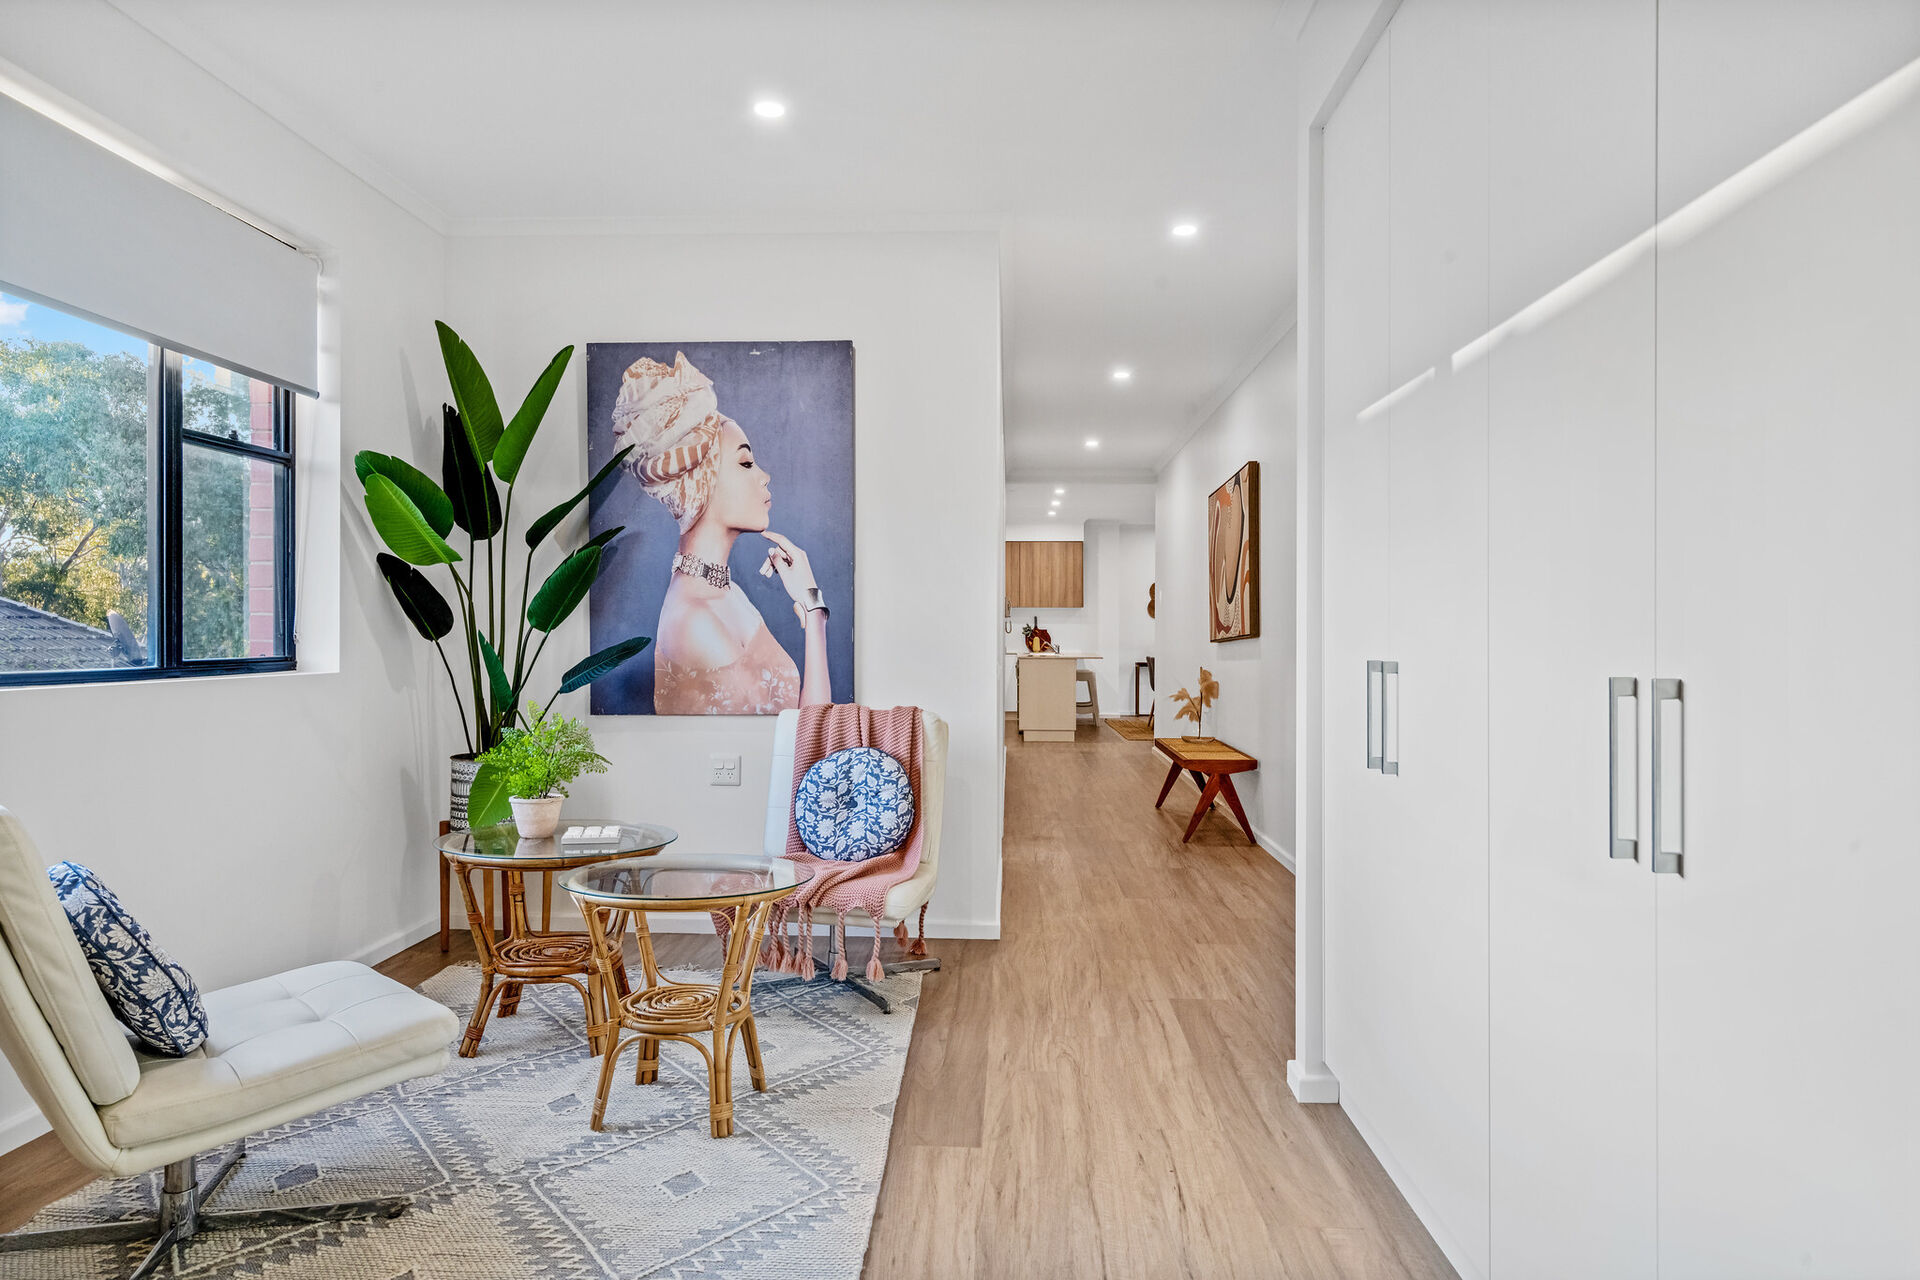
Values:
[(671, 418)]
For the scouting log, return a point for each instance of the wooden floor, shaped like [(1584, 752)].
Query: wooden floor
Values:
[(1101, 1092)]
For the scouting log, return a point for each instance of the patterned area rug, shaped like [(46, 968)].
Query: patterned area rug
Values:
[(507, 1180), (1132, 728)]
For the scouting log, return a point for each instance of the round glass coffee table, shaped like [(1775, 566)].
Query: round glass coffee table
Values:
[(526, 954), (744, 887)]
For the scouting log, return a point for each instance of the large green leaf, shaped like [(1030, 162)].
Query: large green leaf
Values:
[(546, 524), (425, 494), (564, 589), (488, 803), (499, 685), (471, 391), (512, 449), (605, 536), (470, 490), (424, 606), (402, 527), (595, 665)]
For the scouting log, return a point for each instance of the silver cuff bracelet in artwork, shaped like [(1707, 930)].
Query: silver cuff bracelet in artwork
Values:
[(815, 600)]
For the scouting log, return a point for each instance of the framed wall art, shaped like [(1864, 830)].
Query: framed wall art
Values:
[(1233, 557), (737, 501)]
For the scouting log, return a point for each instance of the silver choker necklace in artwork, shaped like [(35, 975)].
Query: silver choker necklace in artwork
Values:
[(716, 575)]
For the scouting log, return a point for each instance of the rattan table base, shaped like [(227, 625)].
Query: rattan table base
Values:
[(526, 955)]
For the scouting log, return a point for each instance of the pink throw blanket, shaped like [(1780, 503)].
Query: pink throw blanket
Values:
[(839, 887)]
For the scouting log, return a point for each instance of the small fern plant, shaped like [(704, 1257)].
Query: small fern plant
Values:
[(532, 762)]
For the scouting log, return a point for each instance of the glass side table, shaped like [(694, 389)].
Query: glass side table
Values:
[(525, 954), (746, 886)]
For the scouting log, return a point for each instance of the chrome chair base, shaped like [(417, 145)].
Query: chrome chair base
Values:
[(859, 984), (182, 1218)]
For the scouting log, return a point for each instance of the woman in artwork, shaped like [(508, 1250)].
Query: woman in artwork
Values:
[(713, 653)]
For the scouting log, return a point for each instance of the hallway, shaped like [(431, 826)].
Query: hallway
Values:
[(1102, 1091)]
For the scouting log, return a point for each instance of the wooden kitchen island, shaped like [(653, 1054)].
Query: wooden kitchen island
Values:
[(1047, 690)]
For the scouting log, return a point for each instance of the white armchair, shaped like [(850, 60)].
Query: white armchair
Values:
[(277, 1049), (905, 899)]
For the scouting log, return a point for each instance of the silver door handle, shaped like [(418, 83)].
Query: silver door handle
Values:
[(1619, 689), (1669, 778), (1390, 717), (1374, 734)]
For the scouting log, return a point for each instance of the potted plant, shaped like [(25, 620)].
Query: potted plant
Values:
[(531, 768), (481, 451)]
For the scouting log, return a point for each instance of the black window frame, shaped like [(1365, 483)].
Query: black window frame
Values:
[(168, 438)]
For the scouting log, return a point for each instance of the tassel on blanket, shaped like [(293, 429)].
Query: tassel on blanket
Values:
[(785, 954), (807, 968), (773, 951), (839, 970), (794, 961), (919, 947), (875, 971)]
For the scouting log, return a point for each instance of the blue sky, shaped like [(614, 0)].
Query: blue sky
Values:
[(22, 319)]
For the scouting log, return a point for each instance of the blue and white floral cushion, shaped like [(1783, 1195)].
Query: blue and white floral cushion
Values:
[(155, 997), (853, 805)]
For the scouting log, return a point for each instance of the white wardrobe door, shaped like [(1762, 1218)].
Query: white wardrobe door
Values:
[(1738, 77), (1354, 173), (1431, 1107), (1789, 606), (1571, 605)]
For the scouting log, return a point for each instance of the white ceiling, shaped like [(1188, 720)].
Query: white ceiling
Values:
[(1123, 501), (1079, 130)]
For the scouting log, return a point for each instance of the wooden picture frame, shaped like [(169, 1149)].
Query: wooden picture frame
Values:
[(1233, 557)]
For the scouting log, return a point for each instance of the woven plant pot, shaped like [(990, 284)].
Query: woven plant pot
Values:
[(462, 769)]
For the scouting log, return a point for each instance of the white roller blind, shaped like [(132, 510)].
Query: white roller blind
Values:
[(83, 229)]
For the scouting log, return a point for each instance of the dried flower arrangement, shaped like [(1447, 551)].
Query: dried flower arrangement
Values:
[(1192, 705)]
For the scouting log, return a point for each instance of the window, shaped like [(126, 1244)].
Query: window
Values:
[(146, 507)]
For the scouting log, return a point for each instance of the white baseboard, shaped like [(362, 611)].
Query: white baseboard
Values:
[(22, 1127), (1415, 1201), (1312, 1085), (1281, 854), (400, 939)]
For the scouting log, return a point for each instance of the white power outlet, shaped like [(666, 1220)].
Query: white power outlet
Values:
[(726, 771)]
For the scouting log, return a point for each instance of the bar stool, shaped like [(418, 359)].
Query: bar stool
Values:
[(1090, 705)]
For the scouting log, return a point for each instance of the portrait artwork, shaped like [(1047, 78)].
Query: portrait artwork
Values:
[(737, 502), (1233, 557)]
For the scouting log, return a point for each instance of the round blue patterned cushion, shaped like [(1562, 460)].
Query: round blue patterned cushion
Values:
[(853, 805), (155, 997)]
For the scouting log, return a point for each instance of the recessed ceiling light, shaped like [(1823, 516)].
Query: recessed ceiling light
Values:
[(1055, 502), (1053, 513), (1059, 491), (1185, 230), (1122, 374), (1092, 443), (769, 108)]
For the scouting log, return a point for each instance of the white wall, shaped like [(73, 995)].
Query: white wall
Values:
[(923, 314), (256, 823), (1255, 710), (1051, 531)]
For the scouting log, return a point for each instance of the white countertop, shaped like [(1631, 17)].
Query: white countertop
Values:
[(1083, 657)]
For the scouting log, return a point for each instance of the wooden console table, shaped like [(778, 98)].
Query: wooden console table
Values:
[(1212, 765)]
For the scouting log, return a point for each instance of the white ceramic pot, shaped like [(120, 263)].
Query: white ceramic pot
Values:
[(536, 819)]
